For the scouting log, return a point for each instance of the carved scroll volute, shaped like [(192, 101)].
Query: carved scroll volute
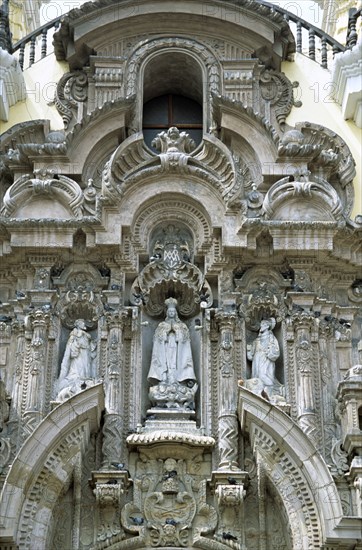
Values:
[(228, 424)]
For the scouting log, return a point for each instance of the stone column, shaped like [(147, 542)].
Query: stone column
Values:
[(228, 422), (39, 323), (112, 430), (328, 386), (307, 418)]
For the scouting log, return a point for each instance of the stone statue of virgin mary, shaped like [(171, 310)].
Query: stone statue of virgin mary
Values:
[(172, 366)]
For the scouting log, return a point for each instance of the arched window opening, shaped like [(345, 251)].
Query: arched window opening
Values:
[(360, 418), (168, 110), (173, 95)]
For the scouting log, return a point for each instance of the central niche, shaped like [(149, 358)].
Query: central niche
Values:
[(173, 96)]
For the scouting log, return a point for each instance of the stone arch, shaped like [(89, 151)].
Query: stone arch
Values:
[(198, 53), (294, 468), (43, 468), (172, 208)]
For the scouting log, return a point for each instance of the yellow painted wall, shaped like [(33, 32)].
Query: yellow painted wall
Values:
[(40, 82), (315, 89)]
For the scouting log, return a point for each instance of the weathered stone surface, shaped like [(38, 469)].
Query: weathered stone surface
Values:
[(180, 325)]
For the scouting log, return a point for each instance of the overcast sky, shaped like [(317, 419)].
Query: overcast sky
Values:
[(307, 9)]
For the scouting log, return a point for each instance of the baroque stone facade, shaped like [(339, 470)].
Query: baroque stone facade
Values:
[(180, 319)]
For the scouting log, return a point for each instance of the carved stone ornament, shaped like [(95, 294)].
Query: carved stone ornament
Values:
[(109, 488), (171, 271), (171, 508), (261, 299), (71, 89), (80, 295), (45, 184), (147, 48), (307, 198), (5, 443), (277, 89), (212, 162), (173, 146)]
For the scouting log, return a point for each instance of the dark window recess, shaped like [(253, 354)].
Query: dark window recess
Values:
[(165, 111)]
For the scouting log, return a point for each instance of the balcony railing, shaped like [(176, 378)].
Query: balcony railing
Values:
[(310, 40), (352, 35)]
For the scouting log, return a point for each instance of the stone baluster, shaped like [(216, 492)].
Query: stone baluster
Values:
[(324, 52), (44, 36), (312, 44), (352, 35), (21, 56), (299, 37), (303, 323), (112, 430), (228, 423), (335, 50), (39, 322), (32, 51)]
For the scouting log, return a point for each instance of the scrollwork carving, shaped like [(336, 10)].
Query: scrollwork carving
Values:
[(45, 183), (278, 90), (71, 89)]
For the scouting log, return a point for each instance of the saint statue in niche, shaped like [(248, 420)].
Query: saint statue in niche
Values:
[(171, 364), (77, 370), (263, 353)]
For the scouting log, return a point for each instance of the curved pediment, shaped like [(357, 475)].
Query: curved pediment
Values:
[(302, 200), (43, 196)]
